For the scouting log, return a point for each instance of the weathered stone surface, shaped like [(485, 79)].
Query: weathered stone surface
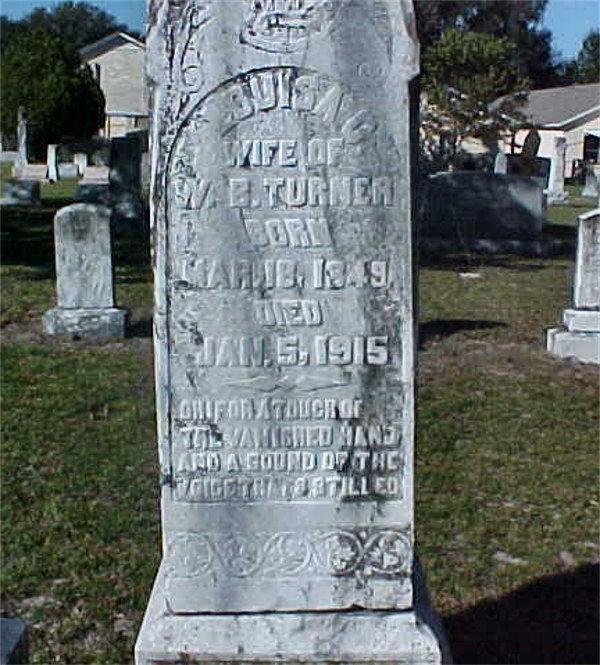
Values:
[(83, 261), (52, 162), (469, 204), (32, 172), (124, 179), (592, 176), (67, 171), (93, 193), (336, 638), (21, 192), (284, 329), (587, 266), (500, 163), (95, 175), (105, 323), (80, 159), (84, 275), (556, 181), (581, 320), (584, 347), (579, 336), (13, 641), (22, 157)]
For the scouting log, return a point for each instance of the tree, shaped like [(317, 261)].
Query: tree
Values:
[(78, 23), (516, 20), (44, 74), (463, 73), (585, 68)]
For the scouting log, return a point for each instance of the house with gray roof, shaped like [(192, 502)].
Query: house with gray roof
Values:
[(572, 112), (117, 62)]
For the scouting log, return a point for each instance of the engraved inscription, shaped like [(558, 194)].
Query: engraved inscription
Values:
[(356, 552), (283, 26), (282, 196)]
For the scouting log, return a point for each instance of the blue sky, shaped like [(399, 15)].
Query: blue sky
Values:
[(569, 20)]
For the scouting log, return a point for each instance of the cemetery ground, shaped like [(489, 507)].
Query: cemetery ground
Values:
[(507, 457)]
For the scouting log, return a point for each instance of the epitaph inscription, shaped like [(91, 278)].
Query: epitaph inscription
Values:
[(268, 295)]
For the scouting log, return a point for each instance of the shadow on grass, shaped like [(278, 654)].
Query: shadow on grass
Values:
[(447, 327), (553, 620), (141, 328)]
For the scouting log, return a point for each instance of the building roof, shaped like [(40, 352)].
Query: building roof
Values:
[(555, 108), (107, 43)]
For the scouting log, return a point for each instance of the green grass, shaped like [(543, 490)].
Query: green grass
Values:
[(576, 205), (506, 450)]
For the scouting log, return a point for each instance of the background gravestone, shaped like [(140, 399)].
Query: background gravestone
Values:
[(52, 162), (471, 204), (21, 159), (284, 333), (124, 180), (579, 337), (556, 179), (500, 163), (84, 276), (592, 175)]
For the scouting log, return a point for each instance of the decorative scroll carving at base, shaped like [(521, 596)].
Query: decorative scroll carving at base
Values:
[(325, 552)]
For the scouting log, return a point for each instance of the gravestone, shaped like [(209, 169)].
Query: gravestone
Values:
[(124, 180), (52, 162), (21, 160), (556, 180), (592, 176), (84, 275), (284, 333), (19, 192), (579, 336), (67, 171), (471, 204), (80, 159), (500, 163), (93, 187)]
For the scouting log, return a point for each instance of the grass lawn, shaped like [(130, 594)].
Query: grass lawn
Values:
[(507, 460)]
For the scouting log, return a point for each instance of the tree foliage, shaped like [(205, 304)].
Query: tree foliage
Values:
[(585, 68), (518, 21), (76, 22), (43, 73), (463, 73)]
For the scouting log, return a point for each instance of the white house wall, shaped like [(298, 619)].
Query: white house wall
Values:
[(575, 137), (122, 80)]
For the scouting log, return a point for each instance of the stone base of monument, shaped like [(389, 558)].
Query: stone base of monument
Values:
[(21, 192), (96, 323), (308, 638), (578, 337), (556, 198)]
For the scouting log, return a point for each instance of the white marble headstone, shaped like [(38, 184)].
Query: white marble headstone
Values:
[(284, 327), (587, 267), (83, 257)]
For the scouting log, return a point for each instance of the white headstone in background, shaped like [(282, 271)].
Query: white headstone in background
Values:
[(556, 180), (592, 176), (52, 162), (579, 337), (84, 276), (80, 159), (500, 163), (284, 333), (22, 157)]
